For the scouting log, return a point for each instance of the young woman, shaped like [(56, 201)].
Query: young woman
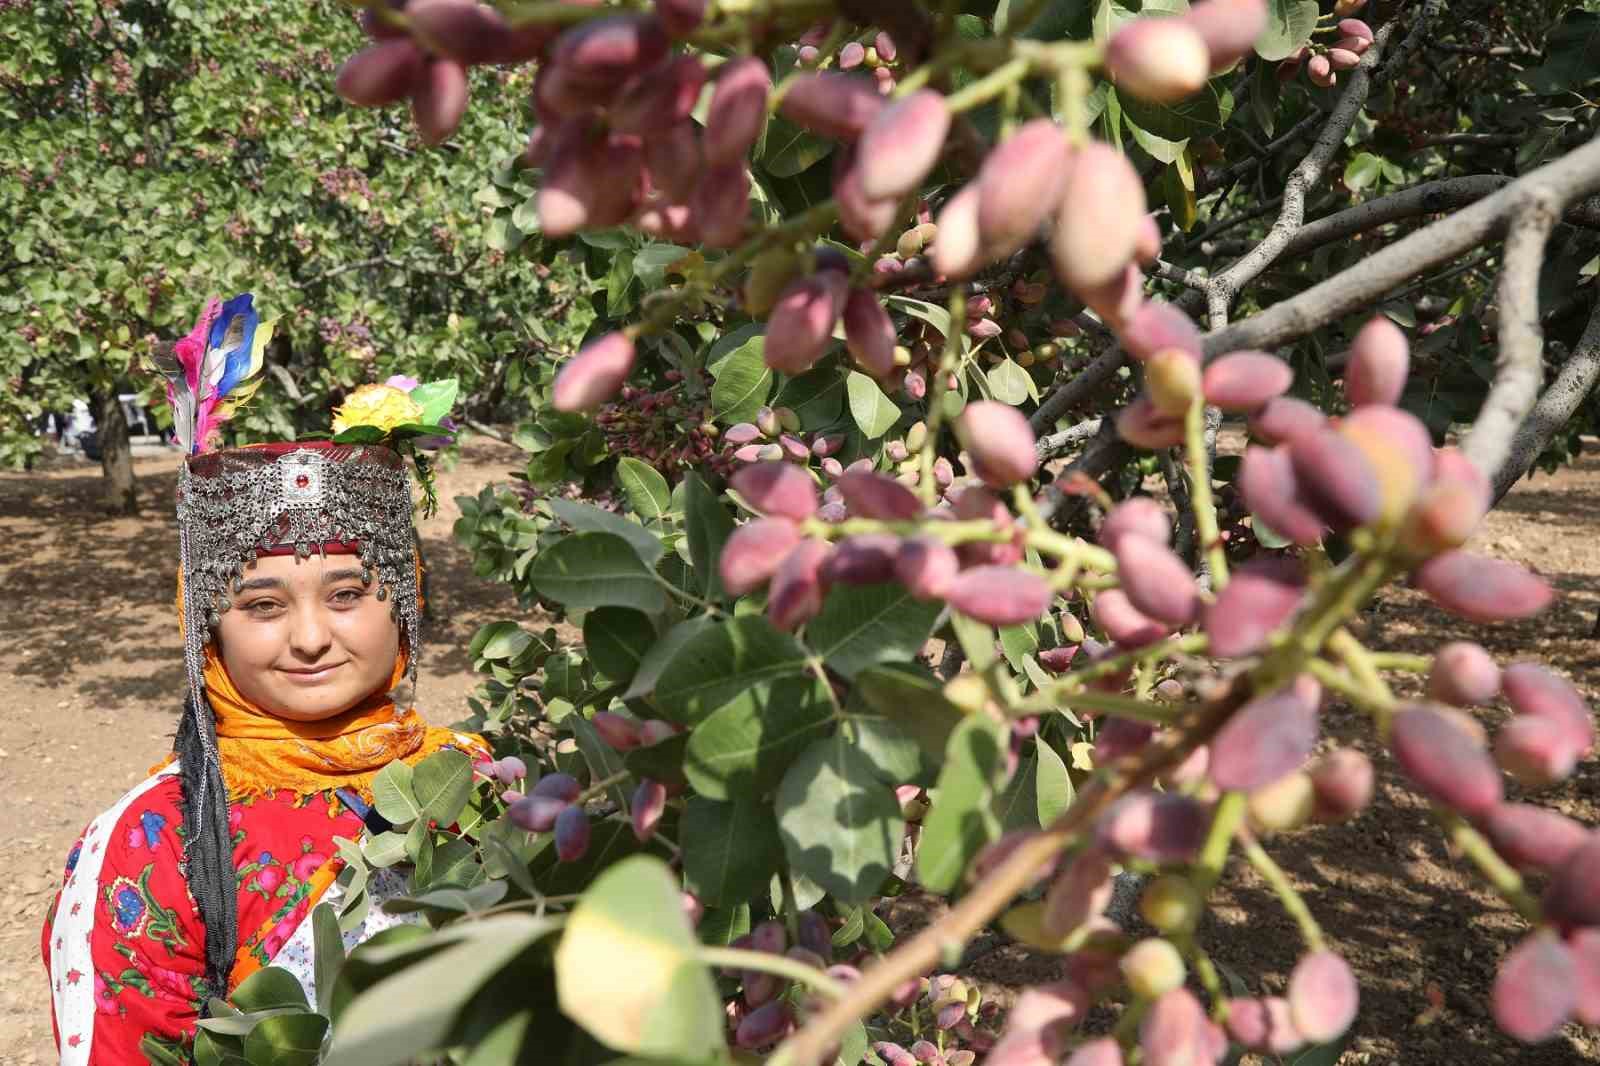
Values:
[(298, 591)]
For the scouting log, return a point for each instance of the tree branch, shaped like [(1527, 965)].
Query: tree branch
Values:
[(1080, 388), (1572, 177), (1057, 444), (1224, 287), (1558, 404)]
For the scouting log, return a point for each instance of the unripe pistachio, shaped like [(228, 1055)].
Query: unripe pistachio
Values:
[(1000, 595), (831, 105), (594, 375), (1342, 59), (862, 559), (872, 495), (439, 99), (720, 204), (1141, 425), (572, 834), (902, 143), (797, 589), (1284, 804), (675, 162), (1262, 595), (1271, 490), (536, 814), (1138, 514), (1159, 59), (1156, 326), (1125, 623), (737, 111), (1320, 70), (753, 553), (869, 333), (1230, 28), (1172, 381), (1358, 45), (780, 489), (787, 418), (1323, 996), (1171, 904), (1482, 589), (1285, 418), (1155, 580), (659, 98), (1117, 301), (1152, 968), (618, 731), (603, 53), (1147, 246), (802, 321), (926, 567), (999, 441), (957, 252), (1019, 184), (1246, 381), (863, 218), (1101, 215), (648, 804), (1341, 8), (1378, 363), (381, 74), (1356, 28)]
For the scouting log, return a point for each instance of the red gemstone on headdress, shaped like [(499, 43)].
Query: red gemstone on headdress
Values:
[(302, 481)]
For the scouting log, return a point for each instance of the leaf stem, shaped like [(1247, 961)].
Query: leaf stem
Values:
[(948, 361), (1500, 875), (1292, 901), (778, 965), (1200, 498)]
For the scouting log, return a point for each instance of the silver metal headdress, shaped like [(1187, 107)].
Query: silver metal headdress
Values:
[(238, 503)]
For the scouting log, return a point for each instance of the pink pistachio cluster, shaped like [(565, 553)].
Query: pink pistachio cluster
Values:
[(787, 549), (1322, 66), (1086, 197)]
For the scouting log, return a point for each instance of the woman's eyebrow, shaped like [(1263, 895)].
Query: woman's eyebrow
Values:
[(328, 578), (347, 574)]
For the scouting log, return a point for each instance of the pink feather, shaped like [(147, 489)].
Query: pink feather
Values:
[(191, 350)]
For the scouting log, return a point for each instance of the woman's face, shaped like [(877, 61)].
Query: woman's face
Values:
[(306, 640)]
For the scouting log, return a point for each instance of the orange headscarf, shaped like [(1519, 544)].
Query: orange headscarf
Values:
[(262, 752)]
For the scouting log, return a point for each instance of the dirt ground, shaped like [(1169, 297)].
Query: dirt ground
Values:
[(91, 678)]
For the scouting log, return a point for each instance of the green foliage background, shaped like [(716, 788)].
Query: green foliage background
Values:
[(157, 153)]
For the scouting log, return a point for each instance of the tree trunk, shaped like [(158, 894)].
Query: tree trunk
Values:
[(116, 456)]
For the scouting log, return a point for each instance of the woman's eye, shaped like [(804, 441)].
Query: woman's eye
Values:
[(260, 607), (347, 597)]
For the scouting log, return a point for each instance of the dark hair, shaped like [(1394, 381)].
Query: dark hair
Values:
[(207, 846)]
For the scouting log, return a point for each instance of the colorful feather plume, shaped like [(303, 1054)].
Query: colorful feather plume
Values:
[(214, 370)]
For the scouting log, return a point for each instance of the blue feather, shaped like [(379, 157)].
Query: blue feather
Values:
[(235, 331)]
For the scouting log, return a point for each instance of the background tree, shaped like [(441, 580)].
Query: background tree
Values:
[(157, 153)]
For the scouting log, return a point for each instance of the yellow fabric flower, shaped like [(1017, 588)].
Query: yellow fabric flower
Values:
[(383, 406)]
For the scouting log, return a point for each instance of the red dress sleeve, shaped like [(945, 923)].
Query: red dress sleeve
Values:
[(124, 944)]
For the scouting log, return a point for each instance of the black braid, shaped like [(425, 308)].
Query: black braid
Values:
[(208, 849)]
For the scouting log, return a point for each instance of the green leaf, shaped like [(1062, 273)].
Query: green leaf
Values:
[(436, 398), (392, 794), (899, 758), (596, 570), (730, 850), (385, 849), (645, 488), (861, 625), (1572, 54), (962, 818), (816, 397), (616, 639), (909, 696), (1362, 171), (874, 413), (1196, 115), (286, 1040), (1009, 383), (789, 150), (662, 652), (1289, 25), (588, 519), (269, 988), (662, 761), (328, 959), (360, 435), (410, 1013), (651, 263), (743, 381), (708, 525), (441, 783), (716, 664), (631, 922), (742, 749), (1053, 792), (841, 825), (1321, 1054)]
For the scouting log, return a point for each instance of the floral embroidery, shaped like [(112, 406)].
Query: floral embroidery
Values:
[(126, 904), (72, 857), (147, 834), (134, 912)]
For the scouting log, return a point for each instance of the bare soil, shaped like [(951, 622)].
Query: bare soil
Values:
[(91, 679)]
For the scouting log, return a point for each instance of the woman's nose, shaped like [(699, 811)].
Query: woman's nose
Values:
[(309, 634)]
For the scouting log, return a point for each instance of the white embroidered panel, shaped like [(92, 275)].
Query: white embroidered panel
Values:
[(299, 953), (74, 924)]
